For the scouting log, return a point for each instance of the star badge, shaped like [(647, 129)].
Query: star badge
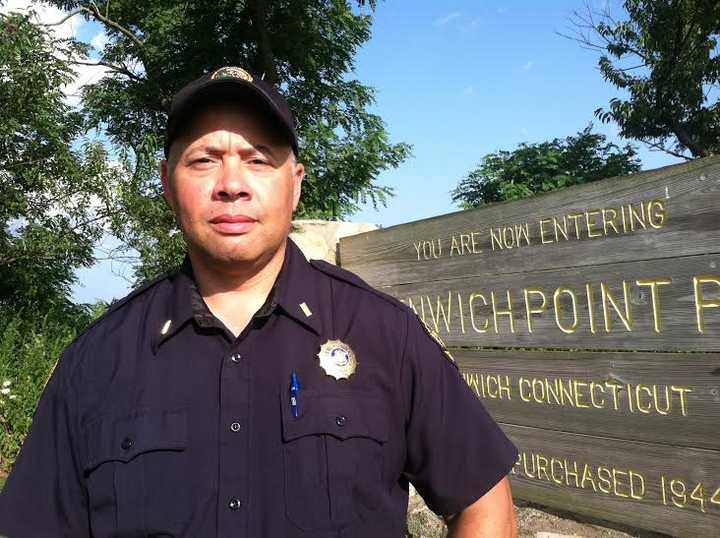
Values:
[(337, 359)]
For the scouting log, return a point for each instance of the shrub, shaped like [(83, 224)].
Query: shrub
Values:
[(29, 348)]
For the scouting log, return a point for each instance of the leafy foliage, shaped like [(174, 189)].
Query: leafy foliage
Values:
[(307, 47), (665, 56), (543, 167), (54, 185)]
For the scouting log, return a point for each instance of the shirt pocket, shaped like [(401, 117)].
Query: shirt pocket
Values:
[(333, 456), (119, 453)]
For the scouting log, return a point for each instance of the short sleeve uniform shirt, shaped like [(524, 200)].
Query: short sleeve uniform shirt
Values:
[(157, 422)]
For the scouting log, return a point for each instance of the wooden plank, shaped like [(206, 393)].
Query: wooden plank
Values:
[(461, 310), (667, 398), (619, 480), (689, 194)]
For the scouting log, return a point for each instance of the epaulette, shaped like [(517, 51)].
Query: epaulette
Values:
[(354, 280), (115, 305)]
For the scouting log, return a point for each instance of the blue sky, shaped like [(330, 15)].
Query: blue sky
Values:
[(458, 80)]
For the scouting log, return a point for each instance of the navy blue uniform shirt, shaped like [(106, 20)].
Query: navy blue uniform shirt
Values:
[(157, 422)]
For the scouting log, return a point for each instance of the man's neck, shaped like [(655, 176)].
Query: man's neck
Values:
[(235, 293)]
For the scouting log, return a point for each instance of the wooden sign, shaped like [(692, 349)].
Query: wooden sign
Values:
[(588, 323)]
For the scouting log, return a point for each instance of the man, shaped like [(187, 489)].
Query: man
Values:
[(251, 392)]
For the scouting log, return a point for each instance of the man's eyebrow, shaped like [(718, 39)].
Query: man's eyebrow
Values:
[(210, 148)]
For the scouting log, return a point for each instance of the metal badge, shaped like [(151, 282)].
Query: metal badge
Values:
[(232, 72), (337, 359)]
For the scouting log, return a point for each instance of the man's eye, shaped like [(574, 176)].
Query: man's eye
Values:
[(259, 161)]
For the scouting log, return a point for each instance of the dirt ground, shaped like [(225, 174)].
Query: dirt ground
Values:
[(533, 522)]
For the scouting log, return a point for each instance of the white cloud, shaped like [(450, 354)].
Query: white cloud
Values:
[(528, 65), (442, 21), (45, 14), (469, 90), (99, 41)]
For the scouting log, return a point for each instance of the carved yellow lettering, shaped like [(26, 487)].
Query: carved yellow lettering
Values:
[(617, 475), (683, 392), (542, 464), (542, 232), (465, 244), (504, 388), (638, 403), (522, 231), (653, 284), (614, 387), (417, 245), (594, 403), (591, 223), (556, 303), (609, 221), (574, 217), (497, 312), (637, 485), (538, 389), (529, 474), (509, 243), (608, 299), (558, 479), (552, 389), (496, 238), (471, 301), (604, 478), (591, 307), (560, 230), (577, 385), (522, 382), (656, 213), (454, 247), (533, 310), (662, 410), (635, 216), (573, 473), (700, 302), (475, 243), (587, 476)]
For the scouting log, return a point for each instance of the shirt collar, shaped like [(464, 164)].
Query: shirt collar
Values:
[(295, 291)]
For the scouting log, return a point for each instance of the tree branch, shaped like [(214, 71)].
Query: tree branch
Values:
[(123, 70), (95, 12), (662, 148)]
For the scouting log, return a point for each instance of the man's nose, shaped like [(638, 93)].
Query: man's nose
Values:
[(234, 183)]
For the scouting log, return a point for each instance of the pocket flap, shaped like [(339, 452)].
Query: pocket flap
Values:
[(342, 414), (122, 438)]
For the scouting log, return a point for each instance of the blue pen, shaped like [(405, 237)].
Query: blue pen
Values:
[(294, 390)]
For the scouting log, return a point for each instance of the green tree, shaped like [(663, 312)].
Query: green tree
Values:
[(534, 168), (54, 184), (664, 57), (307, 47)]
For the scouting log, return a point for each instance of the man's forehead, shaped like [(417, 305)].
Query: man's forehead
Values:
[(221, 124)]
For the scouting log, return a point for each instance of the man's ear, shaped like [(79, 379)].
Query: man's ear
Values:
[(165, 180), (298, 176)]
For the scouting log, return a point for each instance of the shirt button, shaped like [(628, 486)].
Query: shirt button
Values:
[(234, 504), (236, 357), (235, 426), (127, 443), (340, 420)]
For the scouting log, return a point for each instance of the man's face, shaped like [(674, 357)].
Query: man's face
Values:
[(233, 184)]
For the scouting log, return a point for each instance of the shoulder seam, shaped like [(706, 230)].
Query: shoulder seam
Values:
[(115, 306), (351, 278)]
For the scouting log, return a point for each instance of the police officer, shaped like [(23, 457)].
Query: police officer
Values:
[(252, 393)]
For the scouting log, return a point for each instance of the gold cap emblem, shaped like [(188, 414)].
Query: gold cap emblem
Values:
[(232, 72), (337, 359)]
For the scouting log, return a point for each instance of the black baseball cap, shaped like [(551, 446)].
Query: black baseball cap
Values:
[(229, 84)]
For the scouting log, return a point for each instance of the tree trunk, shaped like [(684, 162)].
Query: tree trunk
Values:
[(265, 60)]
